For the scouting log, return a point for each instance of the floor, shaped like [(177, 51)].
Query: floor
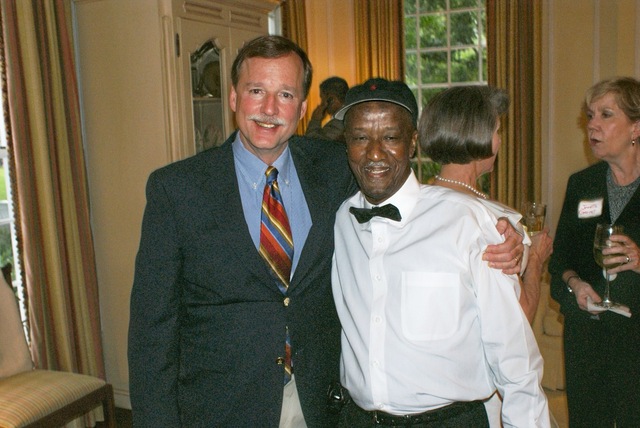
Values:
[(123, 419)]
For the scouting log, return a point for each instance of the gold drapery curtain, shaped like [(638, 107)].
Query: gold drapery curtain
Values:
[(379, 39), (45, 143), (514, 62), (294, 28)]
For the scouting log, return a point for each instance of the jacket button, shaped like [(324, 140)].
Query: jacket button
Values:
[(286, 302), (280, 361)]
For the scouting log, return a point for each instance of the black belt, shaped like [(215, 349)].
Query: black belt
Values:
[(436, 415)]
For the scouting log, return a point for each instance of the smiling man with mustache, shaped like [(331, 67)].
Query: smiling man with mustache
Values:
[(212, 324)]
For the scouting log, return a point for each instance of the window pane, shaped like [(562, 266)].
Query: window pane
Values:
[(409, 7), (6, 252), (457, 4), (483, 35), (3, 182), (427, 94), (433, 67), (464, 28), (445, 44), (432, 5), (412, 73), (464, 65), (410, 33), (433, 31), (485, 71)]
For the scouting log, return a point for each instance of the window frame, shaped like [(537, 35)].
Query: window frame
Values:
[(424, 168)]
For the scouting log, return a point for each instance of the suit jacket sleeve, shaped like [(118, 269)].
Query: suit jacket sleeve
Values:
[(153, 339)]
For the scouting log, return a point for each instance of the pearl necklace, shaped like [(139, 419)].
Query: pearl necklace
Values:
[(465, 185)]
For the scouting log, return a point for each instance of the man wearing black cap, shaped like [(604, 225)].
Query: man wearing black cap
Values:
[(429, 329)]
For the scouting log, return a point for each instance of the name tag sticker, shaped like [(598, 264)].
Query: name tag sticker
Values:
[(590, 209)]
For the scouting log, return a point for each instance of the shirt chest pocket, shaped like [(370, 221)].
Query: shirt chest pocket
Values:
[(430, 305)]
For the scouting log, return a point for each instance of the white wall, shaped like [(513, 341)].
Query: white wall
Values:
[(119, 40), (331, 43), (584, 41)]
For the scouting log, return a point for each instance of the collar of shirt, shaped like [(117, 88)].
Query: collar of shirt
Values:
[(252, 168), (251, 180), (404, 199)]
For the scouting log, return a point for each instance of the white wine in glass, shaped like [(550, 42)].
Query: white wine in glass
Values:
[(602, 240), (533, 214)]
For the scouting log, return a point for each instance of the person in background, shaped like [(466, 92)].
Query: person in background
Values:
[(429, 330), (459, 130), (602, 358), (232, 320), (332, 93)]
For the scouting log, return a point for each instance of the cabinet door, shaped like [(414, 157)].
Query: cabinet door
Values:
[(207, 37), (205, 57)]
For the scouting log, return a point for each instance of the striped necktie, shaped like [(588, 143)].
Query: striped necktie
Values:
[(276, 245)]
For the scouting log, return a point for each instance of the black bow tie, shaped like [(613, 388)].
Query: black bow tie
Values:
[(363, 215)]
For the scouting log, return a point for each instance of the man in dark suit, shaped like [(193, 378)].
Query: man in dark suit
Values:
[(209, 320)]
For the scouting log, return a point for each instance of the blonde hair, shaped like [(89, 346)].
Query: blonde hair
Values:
[(626, 91)]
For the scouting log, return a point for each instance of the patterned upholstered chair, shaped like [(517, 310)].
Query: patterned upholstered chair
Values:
[(41, 398)]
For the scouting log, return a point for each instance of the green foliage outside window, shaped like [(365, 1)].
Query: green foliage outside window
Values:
[(445, 45), (3, 185), (6, 254)]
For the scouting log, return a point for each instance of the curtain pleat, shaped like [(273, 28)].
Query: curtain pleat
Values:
[(294, 28), (514, 64), (379, 39), (51, 187)]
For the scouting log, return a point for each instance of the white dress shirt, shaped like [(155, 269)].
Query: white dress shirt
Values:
[(501, 210), (425, 321)]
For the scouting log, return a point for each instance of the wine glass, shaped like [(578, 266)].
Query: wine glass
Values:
[(602, 240), (533, 214)]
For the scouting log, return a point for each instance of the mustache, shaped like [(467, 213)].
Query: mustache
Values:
[(267, 119)]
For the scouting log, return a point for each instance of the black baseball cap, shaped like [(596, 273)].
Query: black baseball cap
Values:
[(379, 89)]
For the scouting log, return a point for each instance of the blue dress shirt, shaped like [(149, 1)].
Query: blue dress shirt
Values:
[(251, 181)]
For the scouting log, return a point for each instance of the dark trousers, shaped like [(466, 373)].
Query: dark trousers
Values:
[(602, 363), (353, 416)]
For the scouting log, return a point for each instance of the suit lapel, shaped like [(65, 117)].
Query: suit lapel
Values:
[(220, 188), (314, 188), (221, 191)]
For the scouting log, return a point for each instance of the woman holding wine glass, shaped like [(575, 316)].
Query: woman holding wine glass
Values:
[(602, 348)]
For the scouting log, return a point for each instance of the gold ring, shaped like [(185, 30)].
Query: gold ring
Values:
[(628, 260), (517, 259)]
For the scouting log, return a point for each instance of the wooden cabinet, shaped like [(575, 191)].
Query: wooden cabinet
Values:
[(201, 41)]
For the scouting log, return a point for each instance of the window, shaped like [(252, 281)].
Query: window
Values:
[(8, 245), (445, 45)]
